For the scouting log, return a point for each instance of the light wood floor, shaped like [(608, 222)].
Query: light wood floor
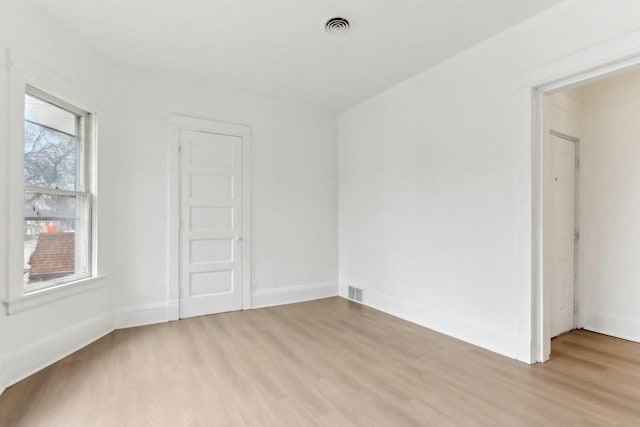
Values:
[(324, 363)]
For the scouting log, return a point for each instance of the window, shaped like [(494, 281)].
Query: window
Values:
[(57, 197)]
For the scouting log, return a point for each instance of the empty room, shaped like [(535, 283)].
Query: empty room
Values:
[(319, 213)]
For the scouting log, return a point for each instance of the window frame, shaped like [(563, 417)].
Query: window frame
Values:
[(85, 214), (21, 70)]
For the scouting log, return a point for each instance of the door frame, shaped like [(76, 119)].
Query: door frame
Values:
[(176, 123), (540, 82)]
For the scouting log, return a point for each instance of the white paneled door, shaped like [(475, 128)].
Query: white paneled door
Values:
[(210, 223), (562, 185)]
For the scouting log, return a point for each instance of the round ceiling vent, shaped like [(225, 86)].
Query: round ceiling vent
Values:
[(337, 25)]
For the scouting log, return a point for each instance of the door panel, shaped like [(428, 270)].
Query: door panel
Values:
[(211, 251), (208, 219), (211, 223), (561, 223)]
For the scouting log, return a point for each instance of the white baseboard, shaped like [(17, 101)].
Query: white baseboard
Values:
[(292, 294), (616, 326), (147, 314), (462, 329), (29, 359)]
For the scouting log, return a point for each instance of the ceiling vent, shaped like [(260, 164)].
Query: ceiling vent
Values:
[(337, 25)]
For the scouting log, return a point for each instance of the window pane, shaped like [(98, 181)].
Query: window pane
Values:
[(39, 206), (49, 250), (50, 154), (57, 227), (55, 237), (49, 115)]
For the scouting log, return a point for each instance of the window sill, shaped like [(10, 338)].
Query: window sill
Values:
[(44, 296)]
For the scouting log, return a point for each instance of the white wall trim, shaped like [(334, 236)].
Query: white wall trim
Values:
[(292, 294), (610, 324), (173, 209), (49, 295), (207, 125), (146, 314), (467, 330), (31, 358)]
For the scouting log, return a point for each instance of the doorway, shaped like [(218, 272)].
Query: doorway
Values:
[(210, 250), (590, 201)]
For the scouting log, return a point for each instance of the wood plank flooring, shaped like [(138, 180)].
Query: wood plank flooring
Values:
[(324, 363)]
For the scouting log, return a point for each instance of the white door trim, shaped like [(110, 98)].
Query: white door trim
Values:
[(177, 122), (614, 56)]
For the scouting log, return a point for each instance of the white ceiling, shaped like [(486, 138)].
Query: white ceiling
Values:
[(277, 48)]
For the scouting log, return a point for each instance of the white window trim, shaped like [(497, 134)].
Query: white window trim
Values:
[(22, 72), (53, 293)]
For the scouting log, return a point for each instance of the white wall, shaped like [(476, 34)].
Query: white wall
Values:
[(294, 180), (33, 338), (436, 216), (435, 187), (294, 190), (610, 203)]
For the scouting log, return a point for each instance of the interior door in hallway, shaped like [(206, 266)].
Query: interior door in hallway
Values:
[(210, 223), (561, 244)]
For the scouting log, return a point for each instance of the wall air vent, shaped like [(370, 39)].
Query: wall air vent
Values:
[(337, 25), (355, 294)]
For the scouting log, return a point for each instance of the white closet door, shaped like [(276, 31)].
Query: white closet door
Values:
[(211, 223), (562, 234)]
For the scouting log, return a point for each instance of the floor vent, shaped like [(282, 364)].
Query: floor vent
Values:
[(355, 294)]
